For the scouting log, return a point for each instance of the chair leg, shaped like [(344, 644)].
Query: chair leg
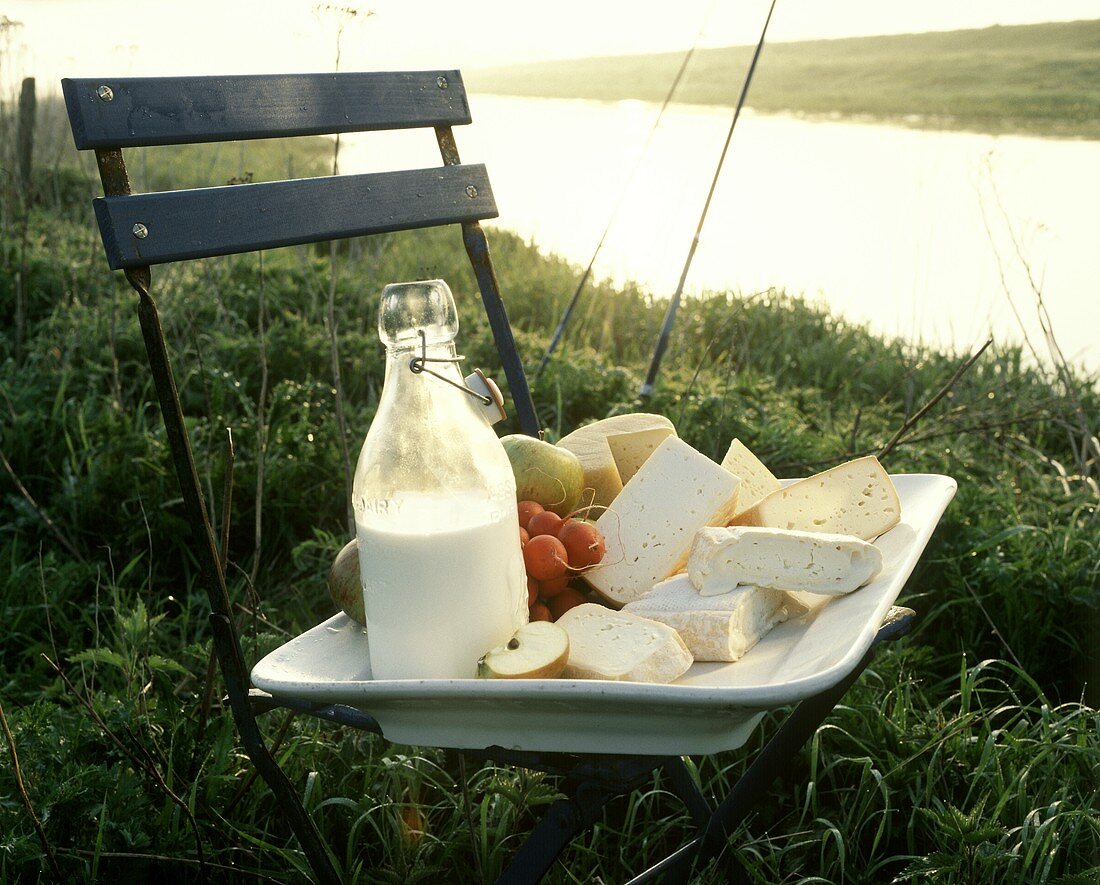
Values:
[(769, 763), (286, 797), (313, 846), (798, 728), (563, 821), (686, 788), (226, 640)]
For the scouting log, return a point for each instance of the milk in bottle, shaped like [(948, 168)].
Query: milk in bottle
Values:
[(435, 504)]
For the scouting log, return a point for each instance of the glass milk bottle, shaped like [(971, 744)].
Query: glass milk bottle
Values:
[(435, 504)]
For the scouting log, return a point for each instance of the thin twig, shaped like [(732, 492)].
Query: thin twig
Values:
[(1082, 445), (855, 429), (983, 427), (21, 787), (163, 858), (784, 467), (46, 601), (916, 417), (223, 558), (45, 517), (255, 615), (1001, 268), (992, 625), (470, 817), (208, 692), (227, 497), (344, 16), (261, 430), (20, 278), (116, 380), (337, 383)]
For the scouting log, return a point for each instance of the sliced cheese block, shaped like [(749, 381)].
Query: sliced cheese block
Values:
[(820, 562), (605, 644), (649, 529), (757, 482), (630, 450), (856, 498), (589, 444), (714, 628)]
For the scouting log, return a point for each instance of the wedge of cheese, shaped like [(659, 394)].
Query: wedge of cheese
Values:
[(630, 450), (589, 444), (605, 644), (856, 498), (714, 628), (650, 527), (757, 482), (819, 562)]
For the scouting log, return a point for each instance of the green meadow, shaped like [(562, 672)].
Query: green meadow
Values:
[(1032, 79), (968, 752)]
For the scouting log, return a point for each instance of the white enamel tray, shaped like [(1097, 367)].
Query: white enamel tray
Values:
[(712, 707)]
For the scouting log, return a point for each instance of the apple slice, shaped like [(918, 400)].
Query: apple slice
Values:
[(539, 650)]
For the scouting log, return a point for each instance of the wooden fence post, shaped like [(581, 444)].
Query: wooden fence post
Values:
[(25, 135)]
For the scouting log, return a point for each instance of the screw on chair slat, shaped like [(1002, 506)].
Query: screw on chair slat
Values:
[(144, 229), (144, 111)]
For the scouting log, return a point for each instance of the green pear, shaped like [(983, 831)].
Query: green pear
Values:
[(344, 584), (546, 473)]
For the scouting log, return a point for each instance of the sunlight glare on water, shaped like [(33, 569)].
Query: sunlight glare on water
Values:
[(907, 230)]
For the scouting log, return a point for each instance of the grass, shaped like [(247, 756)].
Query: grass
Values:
[(969, 752), (1039, 79)]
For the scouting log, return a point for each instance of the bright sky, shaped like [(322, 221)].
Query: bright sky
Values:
[(163, 37)]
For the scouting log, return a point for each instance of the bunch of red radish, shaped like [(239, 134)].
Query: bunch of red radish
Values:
[(555, 551)]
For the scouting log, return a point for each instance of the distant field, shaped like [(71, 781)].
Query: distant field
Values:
[(1036, 79)]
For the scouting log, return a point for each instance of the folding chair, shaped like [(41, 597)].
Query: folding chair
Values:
[(140, 230)]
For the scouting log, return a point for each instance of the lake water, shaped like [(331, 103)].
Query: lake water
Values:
[(927, 235)]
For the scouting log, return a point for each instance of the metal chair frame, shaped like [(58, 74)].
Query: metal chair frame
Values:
[(141, 230)]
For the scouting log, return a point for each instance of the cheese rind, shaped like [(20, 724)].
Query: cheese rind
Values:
[(605, 644), (630, 450), (649, 530), (589, 444), (757, 482), (714, 628), (857, 498), (819, 562)]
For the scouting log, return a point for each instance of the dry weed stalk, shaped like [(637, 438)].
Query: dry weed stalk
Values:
[(913, 420), (261, 429), (42, 514), (344, 15), (1082, 441), (223, 558), (21, 787)]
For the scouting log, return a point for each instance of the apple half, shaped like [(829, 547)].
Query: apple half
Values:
[(538, 650)]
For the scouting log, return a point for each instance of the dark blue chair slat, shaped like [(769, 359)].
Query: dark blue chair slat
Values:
[(199, 223), (142, 111)]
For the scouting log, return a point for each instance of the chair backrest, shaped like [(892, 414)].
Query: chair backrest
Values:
[(139, 230)]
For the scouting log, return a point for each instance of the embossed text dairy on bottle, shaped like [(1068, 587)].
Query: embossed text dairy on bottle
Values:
[(435, 504)]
